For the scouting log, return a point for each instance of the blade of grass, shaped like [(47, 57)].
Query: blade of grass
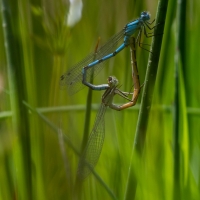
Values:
[(88, 107), (184, 132), (164, 60), (36, 143), (67, 140), (22, 153), (147, 97), (5, 114), (180, 103), (78, 183)]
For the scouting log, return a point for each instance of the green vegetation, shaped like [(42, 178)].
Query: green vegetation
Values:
[(42, 127)]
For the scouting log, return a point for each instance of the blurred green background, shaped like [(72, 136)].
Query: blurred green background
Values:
[(39, 150)]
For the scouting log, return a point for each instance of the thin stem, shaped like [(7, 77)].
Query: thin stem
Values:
[(17, 86), (179, 57), (147, 97), (78, 183), (69, 143), (88, 107)]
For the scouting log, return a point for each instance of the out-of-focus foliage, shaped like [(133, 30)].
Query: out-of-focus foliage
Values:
[(37, 157)]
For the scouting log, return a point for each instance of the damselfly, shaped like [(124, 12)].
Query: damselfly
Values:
[(72, 79), (92, 152)]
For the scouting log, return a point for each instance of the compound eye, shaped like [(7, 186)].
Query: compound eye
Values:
[(110, 78)]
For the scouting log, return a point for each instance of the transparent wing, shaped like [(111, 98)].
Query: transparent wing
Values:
[(94, 146), (72, 79)]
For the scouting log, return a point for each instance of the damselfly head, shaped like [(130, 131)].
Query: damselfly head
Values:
[(145, 15), (112, 81)]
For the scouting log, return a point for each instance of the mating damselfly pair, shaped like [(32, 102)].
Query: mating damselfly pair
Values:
[(79, 75)]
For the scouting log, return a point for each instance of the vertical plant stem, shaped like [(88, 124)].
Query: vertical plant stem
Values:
[(54, 89), (78, 184), (20, 123), (176, 135), (36, 142), (147, 97), (87, 116), (88, 107), (164, 62), (180, 57)]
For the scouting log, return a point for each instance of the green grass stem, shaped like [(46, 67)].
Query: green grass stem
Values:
[(147, 96), (180, 118), (22, 154)]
